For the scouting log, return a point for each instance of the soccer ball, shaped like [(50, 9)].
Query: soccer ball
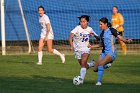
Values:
[(77, 80)]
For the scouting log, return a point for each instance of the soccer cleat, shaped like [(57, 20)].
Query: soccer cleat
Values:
[(62, 58), (91, 63), (108, 65), (98, 84), (39, 63)]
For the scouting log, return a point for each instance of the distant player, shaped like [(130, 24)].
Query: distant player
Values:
[(46, 36), (117, 23), (109, 51), (79, 41)]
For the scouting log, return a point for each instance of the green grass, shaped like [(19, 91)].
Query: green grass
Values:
[(20, 74)]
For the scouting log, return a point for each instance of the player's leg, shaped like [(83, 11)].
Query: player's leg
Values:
[(102, 56), (124, 48), (123, 45), (84, 65), (78, 55), (51, 50), (40, 53), (97, 64), (106, 60)]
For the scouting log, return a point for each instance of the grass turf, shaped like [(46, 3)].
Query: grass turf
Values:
[(20, 74)]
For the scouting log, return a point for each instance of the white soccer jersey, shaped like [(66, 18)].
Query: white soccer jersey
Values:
[(44, 20), (81, 38)]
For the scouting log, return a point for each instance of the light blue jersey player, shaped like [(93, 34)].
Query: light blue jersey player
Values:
[(109, 51), (108, 40)]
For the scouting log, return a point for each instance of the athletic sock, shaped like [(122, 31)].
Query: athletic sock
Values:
[(83, 73), (57, 52), (100, 73), (40, 55)]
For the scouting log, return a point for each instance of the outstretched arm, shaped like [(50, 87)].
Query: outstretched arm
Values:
[(121, 38), (95, 35), (94, 46), (70, 40)]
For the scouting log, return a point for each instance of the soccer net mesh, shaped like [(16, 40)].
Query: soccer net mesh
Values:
[(63, 15)]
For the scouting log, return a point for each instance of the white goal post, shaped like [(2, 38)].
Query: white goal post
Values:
[(3, 33), (25, 27), (3, 28)]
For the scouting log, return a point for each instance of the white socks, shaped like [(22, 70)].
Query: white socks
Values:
[(57, 52), (83, 73), (62, 56), (40, 55)]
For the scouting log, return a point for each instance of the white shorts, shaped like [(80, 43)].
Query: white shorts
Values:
[(50, 35), (78, 54)]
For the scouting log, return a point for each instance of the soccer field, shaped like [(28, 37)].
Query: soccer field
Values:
[(20, 74)]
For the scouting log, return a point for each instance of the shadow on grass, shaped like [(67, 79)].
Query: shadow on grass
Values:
[(38, 84)]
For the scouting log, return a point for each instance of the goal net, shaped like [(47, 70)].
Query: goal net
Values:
[(63, 16)]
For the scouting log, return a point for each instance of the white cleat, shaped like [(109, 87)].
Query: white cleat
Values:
[(92, 63), (108, 65), (62, 58), (98, 84), (39, 63)]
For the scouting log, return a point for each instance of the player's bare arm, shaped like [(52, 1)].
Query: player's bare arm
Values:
[(70, 40)]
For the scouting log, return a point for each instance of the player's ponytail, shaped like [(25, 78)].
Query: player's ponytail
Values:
[(109, 24)]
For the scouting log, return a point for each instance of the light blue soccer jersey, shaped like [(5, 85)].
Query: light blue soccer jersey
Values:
[(108, 39)]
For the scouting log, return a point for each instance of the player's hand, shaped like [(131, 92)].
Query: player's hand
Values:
[(89, 46), (91, 34), (72, 48), (129, 40)]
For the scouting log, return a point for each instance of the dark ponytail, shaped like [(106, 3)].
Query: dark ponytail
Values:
[(109, 24)]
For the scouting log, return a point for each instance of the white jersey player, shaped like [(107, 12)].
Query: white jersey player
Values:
[(46, 36), (79, 41)]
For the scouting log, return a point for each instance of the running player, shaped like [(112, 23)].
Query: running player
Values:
[(109, 51), (79, 41), (117, 23), (46, 36)]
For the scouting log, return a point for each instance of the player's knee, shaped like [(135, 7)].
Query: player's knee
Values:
[(101, 64), (83, 64), (39, 49)]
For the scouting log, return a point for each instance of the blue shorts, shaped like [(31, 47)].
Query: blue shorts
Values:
[(112, 54)]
